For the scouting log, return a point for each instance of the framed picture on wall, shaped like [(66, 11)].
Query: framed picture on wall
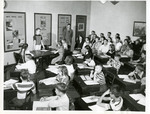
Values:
[(44, 22), (139, 28), (14, 30), (80, 27), (63, 20)]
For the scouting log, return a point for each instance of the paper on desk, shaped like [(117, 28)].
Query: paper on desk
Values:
[(129, 80), (49, 81), (96, 108), (90, 83), (88, 77), (142, 101), (123, 76), (53, 69), (90, 99), (137, 96), (81, 65), (107, 66), (83, 77), (10, 82), (80, 57), (44, 50), (104, 56), (38, 105), (124, 56)]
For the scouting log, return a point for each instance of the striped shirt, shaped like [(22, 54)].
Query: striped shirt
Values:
[(23, 88), (116, 105), (100, 78)]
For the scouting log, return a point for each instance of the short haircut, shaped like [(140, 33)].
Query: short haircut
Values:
[(61, 87), (127, 40), (115, 90), (25, 45), (37, 29), (24, 74), (128, 37), (140, 67), (69, 59), (93, 31), (109, 32), (118, 37), (118, 34)]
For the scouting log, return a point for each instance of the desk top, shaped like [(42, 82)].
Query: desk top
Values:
[(132, 104)]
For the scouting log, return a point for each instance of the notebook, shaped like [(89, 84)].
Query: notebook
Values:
[(137, 96), (90, 99), (49, 81), (129, 80), (40, 105), (97, 108), (90, 82), (123, 76)]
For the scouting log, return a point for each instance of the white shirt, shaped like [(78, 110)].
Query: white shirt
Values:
[(118, 46), (60, 103), (91, 63), (29, 65), (104, 48), (116, 106), (71, 71)]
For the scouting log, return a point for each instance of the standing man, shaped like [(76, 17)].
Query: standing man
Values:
[(67, 34)]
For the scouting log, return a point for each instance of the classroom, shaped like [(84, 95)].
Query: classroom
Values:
[(74, 55)]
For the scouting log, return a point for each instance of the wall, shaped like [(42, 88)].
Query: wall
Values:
[(54, 7), (117, 18)]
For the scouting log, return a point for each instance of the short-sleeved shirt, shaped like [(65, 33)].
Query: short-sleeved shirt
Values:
[(100, 78), (38, 39), (116, 106)]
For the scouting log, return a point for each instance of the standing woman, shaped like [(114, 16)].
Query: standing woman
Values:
[(60, 50)]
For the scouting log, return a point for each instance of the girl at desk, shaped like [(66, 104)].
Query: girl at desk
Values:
[(115, 100), (88, 51), (61, 53), (89, 61), (115, 62), (86, 42), (111, 51), (98, 76)]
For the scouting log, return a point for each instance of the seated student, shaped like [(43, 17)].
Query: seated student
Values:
[(104, 48), (142, 59), (88, 51), (115, 62), (89, 61), (92, 36), (128, 52), (60, 50), (22, 88), (124, 46), (96, 45), (98, 76), (115, 99), (70, 67), (138, 73), (79, 42), (86, 42), (102, 38), (29, 64), (118, 44), (111, 51), (64, 43), (60, 101), (63, 76)]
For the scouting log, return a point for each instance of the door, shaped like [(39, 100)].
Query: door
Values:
[(80, 26)]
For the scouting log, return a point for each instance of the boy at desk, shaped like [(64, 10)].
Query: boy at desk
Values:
[(115, 62), (60, 101), (98, 76), (89, 61), (115, 99), (23, 88)]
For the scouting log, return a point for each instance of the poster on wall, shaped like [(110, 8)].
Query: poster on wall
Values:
[(44, 22), (80, 27), (63, 20), (14, 30), (139, 28)]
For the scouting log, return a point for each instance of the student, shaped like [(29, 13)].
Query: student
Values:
[(60, 101), (102, 35), (98, 76), (60, 50), (29, 64), (124, 46), (38, 40), (64, 43), (86, 42), (89, 61), (63, 76), (115, 62), (102, 39), (138, 73), (118, 44), (79, 42), (128, 52), (111, 51), (88, 51), (104, 48), (92, 36), (23, 88), (142, 59), (96, 45), (109, 38), (115, 99), (69, 64)]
